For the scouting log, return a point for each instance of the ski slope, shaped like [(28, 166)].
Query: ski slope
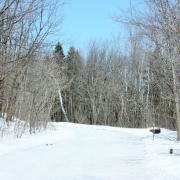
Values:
[(82, 152)]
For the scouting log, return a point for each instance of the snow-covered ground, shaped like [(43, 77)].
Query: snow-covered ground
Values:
[(82, 152)]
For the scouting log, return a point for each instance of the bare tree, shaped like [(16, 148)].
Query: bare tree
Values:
[(160, 26)]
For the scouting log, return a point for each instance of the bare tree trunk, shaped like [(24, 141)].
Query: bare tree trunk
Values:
[(62, 106), (176, 99)]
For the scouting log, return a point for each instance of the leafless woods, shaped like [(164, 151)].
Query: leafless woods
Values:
[(138, 88)]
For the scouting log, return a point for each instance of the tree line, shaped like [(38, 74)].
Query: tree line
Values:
[(115, 90)]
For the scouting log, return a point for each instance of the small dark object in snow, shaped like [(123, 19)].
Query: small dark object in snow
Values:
[(49, 144), (155, 130), (171, 151)]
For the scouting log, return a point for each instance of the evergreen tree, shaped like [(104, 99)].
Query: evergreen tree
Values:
[(59, 53), (74, 62), (74, 67), (56, 113)]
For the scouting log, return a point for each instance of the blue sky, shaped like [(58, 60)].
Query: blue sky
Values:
[(87, 20)]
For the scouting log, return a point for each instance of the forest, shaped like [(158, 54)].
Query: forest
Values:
[(39, 83)]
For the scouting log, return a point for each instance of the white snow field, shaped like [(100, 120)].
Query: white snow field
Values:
[(82, 152)]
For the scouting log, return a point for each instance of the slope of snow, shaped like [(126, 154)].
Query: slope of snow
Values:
[(82, 152)]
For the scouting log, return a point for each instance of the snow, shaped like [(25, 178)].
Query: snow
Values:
[(83, 152)]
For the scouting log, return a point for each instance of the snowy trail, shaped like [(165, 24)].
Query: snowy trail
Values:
[(80, 152)]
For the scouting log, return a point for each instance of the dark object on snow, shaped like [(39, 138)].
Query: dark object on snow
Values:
[(49, 144), (155, 130), (171, 151)]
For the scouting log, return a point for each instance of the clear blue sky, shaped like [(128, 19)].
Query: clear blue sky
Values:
[(86, 20)]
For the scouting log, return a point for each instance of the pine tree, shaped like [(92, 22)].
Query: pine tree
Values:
[(59, 53), (74, 62), (74, 67), (57, 113)]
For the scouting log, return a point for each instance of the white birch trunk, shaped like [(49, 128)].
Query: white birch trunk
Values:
[(62, 106)]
